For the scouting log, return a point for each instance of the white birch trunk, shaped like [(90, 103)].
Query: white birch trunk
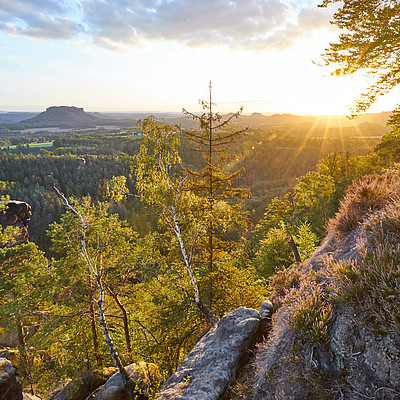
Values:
[(97, 275)]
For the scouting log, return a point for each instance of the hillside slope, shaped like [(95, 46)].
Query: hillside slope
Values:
[(336, 332), (62, 115)]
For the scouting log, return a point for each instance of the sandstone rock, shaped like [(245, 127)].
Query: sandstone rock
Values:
[(143, 377), (211, 366), (371, 361), (80, 389), (17, 214), (10, 387), (266, 309)]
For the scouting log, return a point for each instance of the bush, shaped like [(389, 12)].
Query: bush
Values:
[(311, 311), (284, 280), (372, 285), (364, 196)]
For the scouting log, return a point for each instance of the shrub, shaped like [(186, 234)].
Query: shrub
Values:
[(305, 240), (284, 280), (311, 311), (274, 252), (384, 224), (235, 287), (372, 285), (364, 196)]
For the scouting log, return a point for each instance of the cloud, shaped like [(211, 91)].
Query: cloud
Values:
[(44, 27), (41, 19), (239, 24)]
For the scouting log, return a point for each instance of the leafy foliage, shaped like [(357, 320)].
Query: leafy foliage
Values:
[(370, 40)]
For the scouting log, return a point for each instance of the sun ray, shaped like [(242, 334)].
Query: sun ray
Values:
[(303, 143)]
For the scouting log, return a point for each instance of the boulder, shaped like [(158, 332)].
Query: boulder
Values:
[(266, 309), (17, 214), (80, 389), (10, 387), (143, 377), (211, 366), (12, 355)]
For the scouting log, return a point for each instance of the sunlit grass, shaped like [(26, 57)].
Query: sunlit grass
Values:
[(43, 145)]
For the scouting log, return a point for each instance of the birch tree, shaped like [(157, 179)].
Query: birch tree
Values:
[(94, 263)]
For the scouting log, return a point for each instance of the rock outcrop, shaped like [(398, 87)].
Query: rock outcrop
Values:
[(10, 387), (81, 388), (144, 378), (17, 214), (336, 334), (212, 365)]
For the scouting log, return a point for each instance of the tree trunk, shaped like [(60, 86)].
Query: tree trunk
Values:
[(108, 340), (22, 350), (211, 318), (211, 200), (293, 247), (125, 320), (94, 331)]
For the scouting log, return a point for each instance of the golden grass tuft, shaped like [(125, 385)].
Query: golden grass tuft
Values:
[(365, 196)]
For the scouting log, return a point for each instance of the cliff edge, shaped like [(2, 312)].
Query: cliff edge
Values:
[(336, 332)]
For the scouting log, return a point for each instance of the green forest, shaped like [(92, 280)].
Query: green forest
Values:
[(186, 229), (140, 241)]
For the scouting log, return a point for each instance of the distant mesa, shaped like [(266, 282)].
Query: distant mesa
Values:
[(62, 115)]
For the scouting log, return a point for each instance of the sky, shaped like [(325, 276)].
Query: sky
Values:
[(160, 55)]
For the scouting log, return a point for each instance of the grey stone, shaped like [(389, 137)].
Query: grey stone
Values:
[(212, 364), (142, 377), (81, 388), (266, 309), (10, 387), (371, 361)]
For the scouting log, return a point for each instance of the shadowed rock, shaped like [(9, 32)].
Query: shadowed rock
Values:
[(10, 387), (17, 214), (81, 388)]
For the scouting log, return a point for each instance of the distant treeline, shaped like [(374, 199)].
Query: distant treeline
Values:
[(272, 162)]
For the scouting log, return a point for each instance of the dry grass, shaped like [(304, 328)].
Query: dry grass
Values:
[(372, 284), (364, 196), (280, 283)]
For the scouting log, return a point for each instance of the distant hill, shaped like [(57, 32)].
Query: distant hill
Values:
[(61, 116), (5, 121), (311, 122), (71, 117), (13, 117)]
